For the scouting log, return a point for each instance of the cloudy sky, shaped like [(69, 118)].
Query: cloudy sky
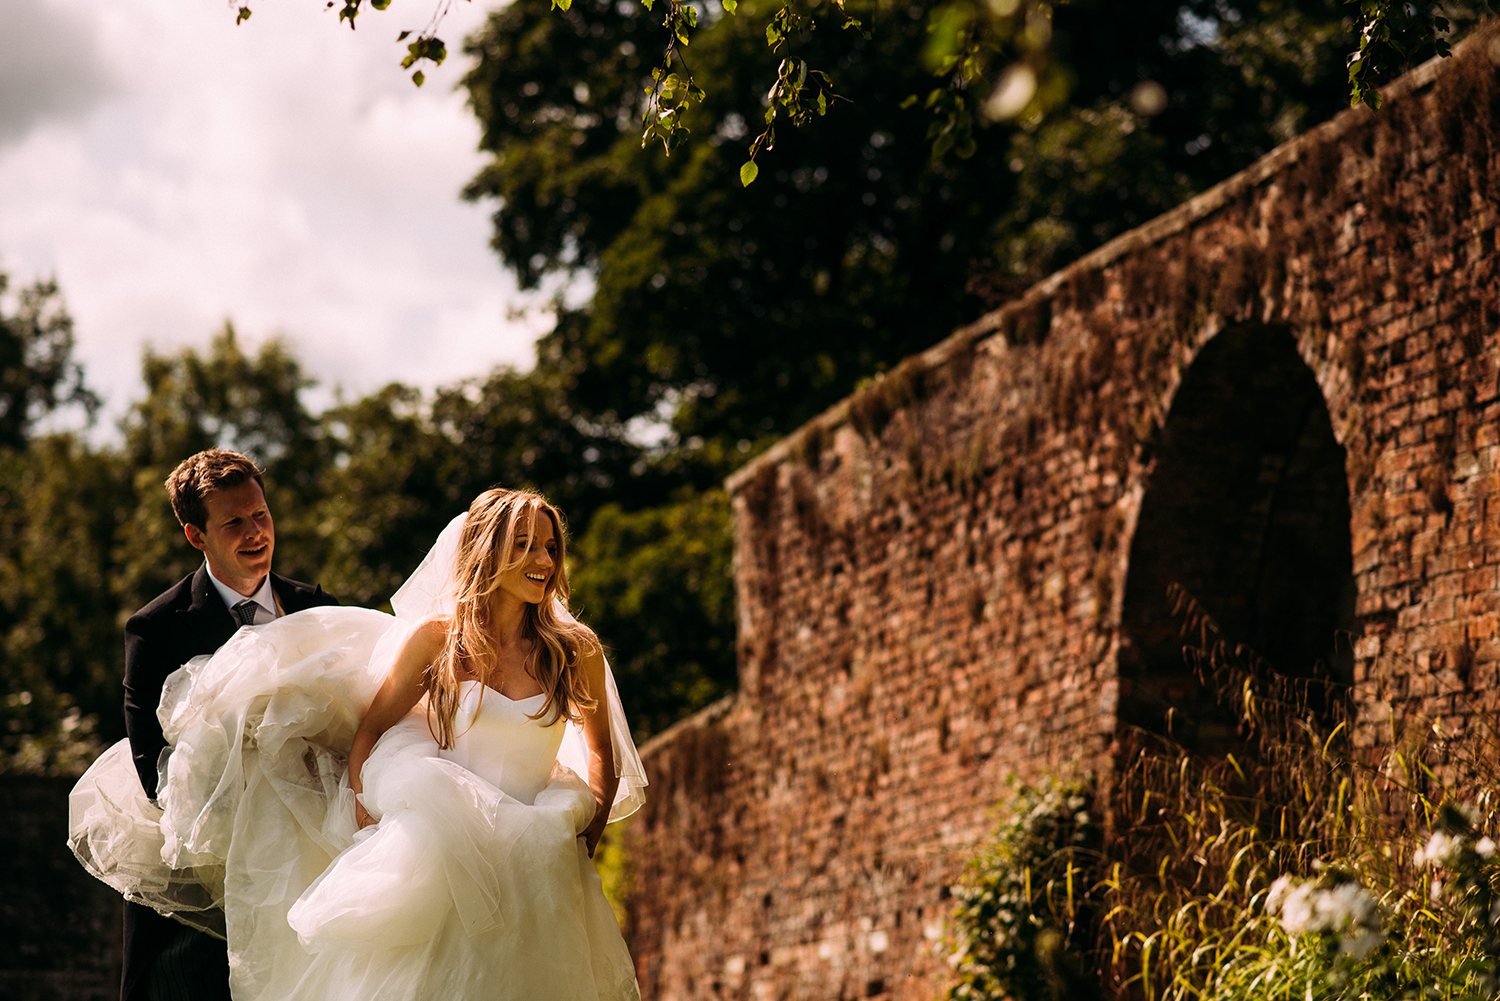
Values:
[(173, 170)]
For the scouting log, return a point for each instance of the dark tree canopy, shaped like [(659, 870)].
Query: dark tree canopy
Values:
[(737, 314), (991, 59), (37, 371)]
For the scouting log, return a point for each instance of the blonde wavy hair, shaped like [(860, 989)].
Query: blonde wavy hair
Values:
[(558, 645)]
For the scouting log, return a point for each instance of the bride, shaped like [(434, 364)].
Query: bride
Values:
[(449, 855)]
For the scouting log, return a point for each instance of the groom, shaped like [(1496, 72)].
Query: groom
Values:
[(219, 497)]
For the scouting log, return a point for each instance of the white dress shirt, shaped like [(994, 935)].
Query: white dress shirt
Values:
[(265, 598)]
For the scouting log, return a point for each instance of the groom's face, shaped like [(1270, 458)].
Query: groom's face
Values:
[(238, 538)]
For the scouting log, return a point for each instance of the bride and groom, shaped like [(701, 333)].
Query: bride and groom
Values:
[(334, 803)]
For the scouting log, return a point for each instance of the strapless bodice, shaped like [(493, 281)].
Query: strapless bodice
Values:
[(500, 743)]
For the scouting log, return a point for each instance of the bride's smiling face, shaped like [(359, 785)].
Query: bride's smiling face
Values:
[(530, 564)]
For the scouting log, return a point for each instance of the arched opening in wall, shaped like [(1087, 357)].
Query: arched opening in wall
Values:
[(1248, 510)]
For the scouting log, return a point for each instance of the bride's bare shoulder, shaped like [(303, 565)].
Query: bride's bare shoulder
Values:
[(428, 637), (434, 629), (420, 648)]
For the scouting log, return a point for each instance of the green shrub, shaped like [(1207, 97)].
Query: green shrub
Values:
[(1027, 899)]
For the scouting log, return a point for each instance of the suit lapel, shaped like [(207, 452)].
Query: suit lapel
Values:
[(203, 592), (208, 618), (290, 596), (211, 618)]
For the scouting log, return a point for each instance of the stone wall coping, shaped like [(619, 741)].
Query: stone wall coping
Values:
[(1166, 225), (706, 716)]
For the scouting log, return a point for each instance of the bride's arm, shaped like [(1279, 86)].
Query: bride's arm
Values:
[(602, 778), (403, 686)]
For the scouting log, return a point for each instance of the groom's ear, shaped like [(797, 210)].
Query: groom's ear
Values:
[(194, 536)]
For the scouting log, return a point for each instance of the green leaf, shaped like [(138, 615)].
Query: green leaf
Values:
[(773, 35), (244, 15), (748, 172), (945, 29), (561, 4), (380, 4), (402, 37), (729, 6), (418, 77), (691, 14)]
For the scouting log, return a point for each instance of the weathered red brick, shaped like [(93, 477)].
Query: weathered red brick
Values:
[(881, 706)]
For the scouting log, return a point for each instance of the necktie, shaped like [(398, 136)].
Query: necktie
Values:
[(244, 612)]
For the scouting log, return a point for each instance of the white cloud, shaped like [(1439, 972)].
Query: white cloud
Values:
[(178, 170)]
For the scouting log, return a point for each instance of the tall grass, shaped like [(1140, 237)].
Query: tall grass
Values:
[(1374, 862)]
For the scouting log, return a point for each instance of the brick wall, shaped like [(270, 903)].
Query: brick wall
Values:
[(60, 934), (957, 575)]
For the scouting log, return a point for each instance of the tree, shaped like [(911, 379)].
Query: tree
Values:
[(386, 496), (223, 398), (657, 586), (37, 371), (991, 58), (734, 315), (61, 653), (404, 465), (58, 510)]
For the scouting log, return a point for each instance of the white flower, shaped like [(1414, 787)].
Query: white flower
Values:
[(1441, 849), (1278, 893), (1437, 889), (1485, 847), (1297, 910), (1348, 909), (1345, 905), (1362, 943)]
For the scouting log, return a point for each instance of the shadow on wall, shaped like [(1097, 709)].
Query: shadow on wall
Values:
[(1247, 509), (59, 926)]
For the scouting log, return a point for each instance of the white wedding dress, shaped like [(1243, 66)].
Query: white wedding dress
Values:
[(473, 884)]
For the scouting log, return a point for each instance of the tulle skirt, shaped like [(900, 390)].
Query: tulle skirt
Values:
[(459, 892)]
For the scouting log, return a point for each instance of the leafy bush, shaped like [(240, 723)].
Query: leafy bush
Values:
[(1027, 897)]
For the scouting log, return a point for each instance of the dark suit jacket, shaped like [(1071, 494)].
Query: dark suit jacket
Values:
[(186, 620)]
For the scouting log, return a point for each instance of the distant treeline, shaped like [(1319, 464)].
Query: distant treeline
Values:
[(358, 492)]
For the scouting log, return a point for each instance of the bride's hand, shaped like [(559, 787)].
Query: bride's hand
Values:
[(362, 816), (592, 833)]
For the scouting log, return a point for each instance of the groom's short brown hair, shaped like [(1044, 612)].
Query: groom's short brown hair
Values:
[(199, 475)]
